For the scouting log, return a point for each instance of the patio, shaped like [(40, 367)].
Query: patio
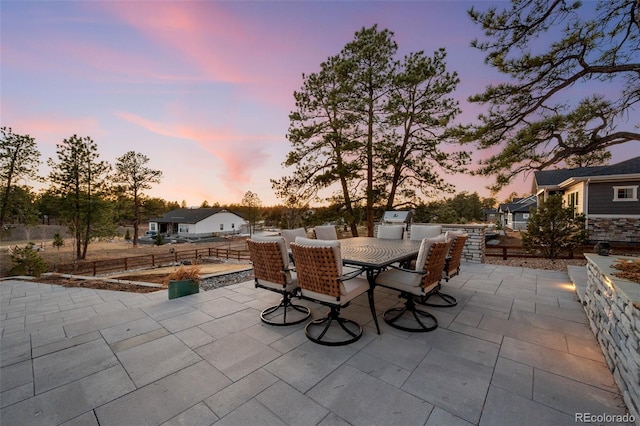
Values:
[(516, 350)]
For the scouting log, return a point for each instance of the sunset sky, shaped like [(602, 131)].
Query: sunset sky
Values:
[(204, 88)]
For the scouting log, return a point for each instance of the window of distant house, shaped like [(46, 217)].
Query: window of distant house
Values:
[(183, 227), (625, 193), (233, 226), (525, 215), (573, 199), (153, 226), (222, 226)]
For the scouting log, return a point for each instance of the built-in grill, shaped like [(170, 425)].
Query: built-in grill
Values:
[(397, 217)]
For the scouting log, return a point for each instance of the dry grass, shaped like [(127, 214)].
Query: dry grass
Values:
[(630, 269)]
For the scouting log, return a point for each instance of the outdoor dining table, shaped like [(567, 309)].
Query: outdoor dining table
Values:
[(373, 255)]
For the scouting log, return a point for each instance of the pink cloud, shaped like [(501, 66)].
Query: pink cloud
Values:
[(201, 32), (223, 143), (53, 128)]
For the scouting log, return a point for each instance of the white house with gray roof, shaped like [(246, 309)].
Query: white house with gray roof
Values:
[(199, 223), (607, 195)]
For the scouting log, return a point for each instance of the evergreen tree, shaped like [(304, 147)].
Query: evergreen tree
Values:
[(19, 159), (532, 121), (553, 228), (370, 126), (135, 177), (79, 178)]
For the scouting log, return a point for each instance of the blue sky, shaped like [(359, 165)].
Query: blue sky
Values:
[(204, 88)]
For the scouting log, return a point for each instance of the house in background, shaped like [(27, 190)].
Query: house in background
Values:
[(515, 214), (199, 223), (607, 195), (491, 215)]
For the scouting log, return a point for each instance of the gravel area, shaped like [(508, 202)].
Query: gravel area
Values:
[(226, 279), (536, 263)]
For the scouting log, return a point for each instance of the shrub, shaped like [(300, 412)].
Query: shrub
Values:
[(58, 241), (158, 240), (553, 228), (183, 273), (27, 261)]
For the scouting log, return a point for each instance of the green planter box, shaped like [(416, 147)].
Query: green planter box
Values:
[(183, 288)]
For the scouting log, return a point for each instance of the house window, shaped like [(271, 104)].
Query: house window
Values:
[(153, 226), (233, 226), (625, 193), (183, 227), (222, 226), (573, 199), (525, 215)]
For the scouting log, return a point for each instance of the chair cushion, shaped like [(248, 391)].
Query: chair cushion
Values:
[(420, 232), (326, 232), (335, 244), (292, 283), (349, 289), (403, 281), (424, 252), (281, 245), (290, 235), (390, 232)]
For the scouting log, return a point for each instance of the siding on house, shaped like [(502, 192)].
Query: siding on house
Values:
[(222, 222), (196, 223), (601, 200), (574, 195)]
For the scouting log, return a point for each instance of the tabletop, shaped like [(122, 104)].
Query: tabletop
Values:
[(375, 252)]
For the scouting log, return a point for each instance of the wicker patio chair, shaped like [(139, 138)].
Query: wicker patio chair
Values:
[(414, 284), (321, 279), (271, 271), (451, 269)]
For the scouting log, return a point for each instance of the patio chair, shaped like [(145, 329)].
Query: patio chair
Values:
[(271, 271), (451, 269), (326, 232), (391, 232), (420, 232), (319, 269), (413, 284)]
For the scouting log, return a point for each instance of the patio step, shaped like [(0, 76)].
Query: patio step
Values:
[(578, 275)]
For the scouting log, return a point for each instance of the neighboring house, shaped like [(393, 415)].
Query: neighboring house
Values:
[(607, 195), (515, 214), (198, 223), (490, 215)]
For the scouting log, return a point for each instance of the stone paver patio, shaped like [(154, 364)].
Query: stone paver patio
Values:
[(516, 350)]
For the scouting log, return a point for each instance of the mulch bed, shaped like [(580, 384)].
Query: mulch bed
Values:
[(96, 284)]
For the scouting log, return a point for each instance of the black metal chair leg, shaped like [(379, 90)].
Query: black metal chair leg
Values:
[(391, 317), (285, 305), (328, 320), (449, 301)]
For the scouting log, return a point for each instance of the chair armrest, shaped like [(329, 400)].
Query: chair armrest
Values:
[(412, 271), (351, 275)]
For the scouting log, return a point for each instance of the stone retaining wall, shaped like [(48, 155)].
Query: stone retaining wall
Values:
[(612, 305), (474, 248)]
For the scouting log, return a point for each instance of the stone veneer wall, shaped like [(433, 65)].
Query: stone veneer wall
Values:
[(614, 229), (474, 248), (612, 305)]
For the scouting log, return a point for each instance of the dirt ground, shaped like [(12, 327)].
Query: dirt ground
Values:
[(118, 248)]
